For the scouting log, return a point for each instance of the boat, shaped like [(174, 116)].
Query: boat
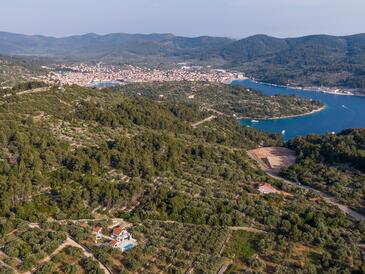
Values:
[(254, 121), (283, 132)]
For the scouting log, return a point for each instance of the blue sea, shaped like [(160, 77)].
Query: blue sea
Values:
[(341, 112), (108, 84)]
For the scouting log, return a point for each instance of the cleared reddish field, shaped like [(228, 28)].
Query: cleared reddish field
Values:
[(273, 159)]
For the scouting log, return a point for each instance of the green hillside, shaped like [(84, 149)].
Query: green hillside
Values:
[(15, 69), (187, 192), (313, 60), (332, 163)]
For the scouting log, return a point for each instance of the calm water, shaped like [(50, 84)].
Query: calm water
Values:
[(342, 112), (108, 84)]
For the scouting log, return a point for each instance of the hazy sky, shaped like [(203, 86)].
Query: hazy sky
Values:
[(233, 18)]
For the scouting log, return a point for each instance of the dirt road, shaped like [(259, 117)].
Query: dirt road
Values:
[(210, 118)]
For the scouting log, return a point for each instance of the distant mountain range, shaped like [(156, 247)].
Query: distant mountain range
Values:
[(117, 46), (310, 60)]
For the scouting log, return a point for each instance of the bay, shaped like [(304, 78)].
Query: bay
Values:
[(341, 112)]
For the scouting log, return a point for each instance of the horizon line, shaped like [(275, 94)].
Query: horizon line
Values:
[(176, 35)]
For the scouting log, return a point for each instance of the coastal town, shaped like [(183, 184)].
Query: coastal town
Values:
[(103, 75), (100, 74)]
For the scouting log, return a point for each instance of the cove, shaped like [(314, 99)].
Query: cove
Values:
[(341, 112)]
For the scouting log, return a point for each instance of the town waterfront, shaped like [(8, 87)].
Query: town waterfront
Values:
[(341, 112)]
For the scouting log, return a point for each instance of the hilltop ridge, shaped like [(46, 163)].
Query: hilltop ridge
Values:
[(315, 60)]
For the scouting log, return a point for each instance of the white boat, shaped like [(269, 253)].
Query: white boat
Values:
[(283, 132), (254, 121)]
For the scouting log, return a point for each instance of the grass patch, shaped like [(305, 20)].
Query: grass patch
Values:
[(241, 244)]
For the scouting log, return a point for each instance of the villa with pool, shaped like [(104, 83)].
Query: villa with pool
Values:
[(120, 238)]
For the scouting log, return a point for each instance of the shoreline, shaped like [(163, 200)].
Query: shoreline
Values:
[(286, 116), (326, 90)]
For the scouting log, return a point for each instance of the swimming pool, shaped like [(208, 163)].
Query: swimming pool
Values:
[(127, 245)]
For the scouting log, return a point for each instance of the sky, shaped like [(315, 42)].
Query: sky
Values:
[(229, 18)]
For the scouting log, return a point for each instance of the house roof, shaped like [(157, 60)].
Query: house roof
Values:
[(118, 230), (113, 243), (97, 229)]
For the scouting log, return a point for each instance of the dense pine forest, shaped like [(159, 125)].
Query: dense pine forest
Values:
[(188, 189), (332, 163)]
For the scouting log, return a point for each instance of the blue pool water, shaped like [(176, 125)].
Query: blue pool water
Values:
[(128, 246), (341, 112)]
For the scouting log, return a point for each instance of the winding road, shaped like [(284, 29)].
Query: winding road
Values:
[(326, 197)]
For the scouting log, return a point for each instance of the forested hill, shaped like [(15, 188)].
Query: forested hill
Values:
[(332, 163), (112, 47), (247, 49), (15, 69), (310, 60), (257, 46), (184, 184)]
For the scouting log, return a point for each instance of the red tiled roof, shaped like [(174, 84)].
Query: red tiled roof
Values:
[(117, 231), (113, 243), (97, 229)]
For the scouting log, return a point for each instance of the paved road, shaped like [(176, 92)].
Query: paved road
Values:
[(326, 197)]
